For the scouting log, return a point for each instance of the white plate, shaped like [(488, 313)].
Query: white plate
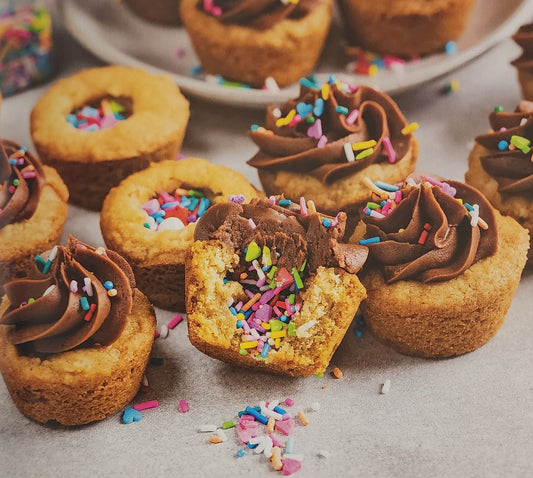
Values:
[(111, 32)]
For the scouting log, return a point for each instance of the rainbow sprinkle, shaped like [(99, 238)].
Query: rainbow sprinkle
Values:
[(105, 115), (175, 211)]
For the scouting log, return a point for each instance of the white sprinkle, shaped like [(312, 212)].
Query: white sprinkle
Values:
[(523, 121), (211, 79), (324, 454), (276, 112), (271, 85), (474, 215), (411, 182), (385, 387), (88, 286), (271, 413), (315, 406), (207, 428), (273, 404), (50, 289), (306, 326), (145, 381), (221, 434), (255, 333), (171, 224), (53, 254), (397, 67), (163, 332), (230, 301), (271, 342), (348, 151), (268, 447), (260, 442)]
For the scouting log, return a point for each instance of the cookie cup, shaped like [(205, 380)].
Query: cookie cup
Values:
[(83, 385), (285, 52), (330, 299), (20, 241), (158, 257), (91, 163), (518, 206), (450, 318), (405, 27)]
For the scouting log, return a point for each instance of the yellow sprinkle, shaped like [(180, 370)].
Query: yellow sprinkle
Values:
[(311, 207), (459, 200), (270, 425), (265, 325), (303, 418), (287, 119), (372, 70), (100, 250), (410, 128), (277, 464), (112, 292), (278, 333), (401, 229), (325, 91), (249, 345), (277, 343), (364, 145)]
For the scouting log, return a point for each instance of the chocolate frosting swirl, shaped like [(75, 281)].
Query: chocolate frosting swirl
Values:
[(512, 169), (296, 147), (452, 243), (524, 38), (294, 236), (20, 183), (260, 14), (55, 320)]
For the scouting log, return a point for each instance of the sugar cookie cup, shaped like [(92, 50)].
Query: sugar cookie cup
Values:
[(157, 253), (147, 126), (285, 51), (31, 220)]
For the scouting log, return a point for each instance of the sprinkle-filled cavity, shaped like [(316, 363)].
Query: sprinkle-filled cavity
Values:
[(101, 113), (174, 211)]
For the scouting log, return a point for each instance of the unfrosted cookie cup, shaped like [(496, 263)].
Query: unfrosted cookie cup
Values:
[(155, 251), (140, 118), (258, 45)]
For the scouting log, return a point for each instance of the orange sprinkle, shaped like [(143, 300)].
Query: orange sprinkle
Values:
[(243, 276), (303, 418), (337, 372), (251, 302), (277, 464), (215, 439), (270, 425)]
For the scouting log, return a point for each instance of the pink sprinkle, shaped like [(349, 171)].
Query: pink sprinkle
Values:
[(157, 334), (151, 207), (175, 321), (289, 402), (290, 465), (389, 149), (386, 207), (397, 196), (322, 142), (295, 120), (217, 11), (248, 418), (303, 207), (275, 441), (245, 435), (73, 286), (184, 406), (252, 223), (167, 197), (28, 174), (285, 426), (272, 200), (352, 117), (179, 53), (145, 405)]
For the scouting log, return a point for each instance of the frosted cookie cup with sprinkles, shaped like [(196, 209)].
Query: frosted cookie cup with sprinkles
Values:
[(500, 164), (269, 285), (75, 339), (443, 266), (33, 209), (251, 40), (323, 144), (101, 124), (150, 219)]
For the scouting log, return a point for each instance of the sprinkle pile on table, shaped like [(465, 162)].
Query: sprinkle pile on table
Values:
[(174, 211), (95, 118), (25, 47)]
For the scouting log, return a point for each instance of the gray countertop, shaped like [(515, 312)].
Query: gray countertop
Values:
[(469, 416)]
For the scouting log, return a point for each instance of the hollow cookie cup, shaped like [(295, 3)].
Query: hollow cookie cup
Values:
[(76, 339), (33, 210), (156, 250), (270, 287), (441, 273), (249, 40), (102, 124)]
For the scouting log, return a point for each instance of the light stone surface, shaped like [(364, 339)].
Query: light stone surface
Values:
[(470, 416)]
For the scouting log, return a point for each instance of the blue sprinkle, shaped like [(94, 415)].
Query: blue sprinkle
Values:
[(71, 119), (258, 416), (84, 303), (251, 447), (358, 333), (40, 261), (372, 240), (326, 222), (468, 206), (503, 145), (284, 202), (147, 225), (307, 83), (185, 201), (23, 149), (264, 350), (196, 70), (289, 446), (341, 110), (240, 453), (234, 312), (239, 323), (280, 410), (158, 219), (332, 78), (204, 204), (168, 205), (119, 117), (284, 318), (108, 285), (450, 48), (254, 127), (46, 267), (319, 107), (90, 112), (386, 186)]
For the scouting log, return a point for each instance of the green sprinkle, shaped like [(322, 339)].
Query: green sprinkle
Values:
[(253, 251), (373, 205), (319, 375), (303, 265), (267, 260), (275, 325), (291, 298), (31, 300), (364, 154), (228, 424), (297, 278), (292, 329), (272, 272), (310, 119), (243, 352), (196, 194), (16, 182), (498, 109)]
